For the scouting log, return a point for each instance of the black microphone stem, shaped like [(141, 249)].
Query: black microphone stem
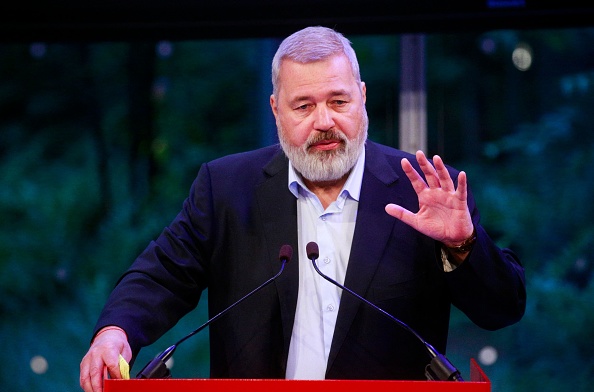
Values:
[(157, 368), (403, 325), (440, 368), (200, 328)]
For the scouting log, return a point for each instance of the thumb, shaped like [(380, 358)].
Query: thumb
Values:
[(402, 214), (395, 210)]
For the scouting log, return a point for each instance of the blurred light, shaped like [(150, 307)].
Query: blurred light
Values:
[(38, 364), (37, 50), (488, 355), (61, 274), (488, 46), (582, 82), (522, 57), (491, 150), (581, 264), (566, 86), (164, 49), (160, 146), (160, 87), (575, 84), (506, 3)]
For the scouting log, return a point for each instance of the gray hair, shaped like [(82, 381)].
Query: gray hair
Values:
[(310, 45)]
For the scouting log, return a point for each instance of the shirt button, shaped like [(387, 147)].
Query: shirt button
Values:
[(327, 260), (330, 308)]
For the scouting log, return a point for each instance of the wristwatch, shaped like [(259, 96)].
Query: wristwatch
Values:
[(464, 247)]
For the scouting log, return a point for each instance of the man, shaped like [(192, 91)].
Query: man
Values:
[(330, 185)]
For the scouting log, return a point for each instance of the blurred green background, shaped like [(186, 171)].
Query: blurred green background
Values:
[(100, 141)]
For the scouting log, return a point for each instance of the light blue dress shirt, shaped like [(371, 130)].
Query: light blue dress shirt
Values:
[(318, 300)]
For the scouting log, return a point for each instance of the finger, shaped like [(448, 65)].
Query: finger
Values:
[(95, 379), (414, 177), (401, 213), (430, 174), (85, 381), (447, 184), (114, 371), (113, 366), (85, 374), (462, 190), (86, 385)]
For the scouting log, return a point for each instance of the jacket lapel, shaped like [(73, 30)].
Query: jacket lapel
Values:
[(372, 232), (278, 209)]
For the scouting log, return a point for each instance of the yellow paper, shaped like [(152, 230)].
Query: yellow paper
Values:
[(124, 368)]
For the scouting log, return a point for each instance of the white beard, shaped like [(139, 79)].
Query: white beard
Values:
[(320, 166)]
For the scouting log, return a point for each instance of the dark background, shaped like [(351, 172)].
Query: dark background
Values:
[(192, 19), (107, 109)]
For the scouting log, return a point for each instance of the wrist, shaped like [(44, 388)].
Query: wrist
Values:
[(465, 246), (106, 329)]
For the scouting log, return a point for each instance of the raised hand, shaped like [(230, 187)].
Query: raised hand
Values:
[(443, 210)]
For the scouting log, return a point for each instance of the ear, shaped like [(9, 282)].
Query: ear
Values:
[(274, 105), (363, 92)]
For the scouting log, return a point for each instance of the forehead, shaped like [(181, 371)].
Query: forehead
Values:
[(333, 72)]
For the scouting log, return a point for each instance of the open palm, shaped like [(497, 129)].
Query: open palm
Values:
[(443, 209)]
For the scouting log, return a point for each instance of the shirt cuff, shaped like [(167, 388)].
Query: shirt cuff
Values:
[(447, 266)]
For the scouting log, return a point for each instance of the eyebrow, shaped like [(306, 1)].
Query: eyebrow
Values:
[(340, 92), (333, 93)]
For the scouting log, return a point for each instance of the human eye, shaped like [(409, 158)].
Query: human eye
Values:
[(301, 108), (339, 103)]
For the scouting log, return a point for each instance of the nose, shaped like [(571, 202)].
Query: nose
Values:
[(323, 120)]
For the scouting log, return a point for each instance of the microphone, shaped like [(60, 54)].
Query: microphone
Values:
[(157, 368), (439, 369)]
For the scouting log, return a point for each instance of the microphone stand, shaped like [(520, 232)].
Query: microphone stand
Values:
[(439, 369), (157, 367)]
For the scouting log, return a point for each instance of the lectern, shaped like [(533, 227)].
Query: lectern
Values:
[(478, 383)]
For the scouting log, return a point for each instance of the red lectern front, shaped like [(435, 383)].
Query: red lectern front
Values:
[(478, 383)]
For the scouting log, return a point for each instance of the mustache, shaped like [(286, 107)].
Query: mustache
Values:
[(328, 135)]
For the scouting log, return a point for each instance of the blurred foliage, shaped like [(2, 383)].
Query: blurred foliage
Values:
[(528, 166), (99, 143)]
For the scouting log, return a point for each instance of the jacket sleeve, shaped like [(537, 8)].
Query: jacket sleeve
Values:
[(166, 280), (489, 286)]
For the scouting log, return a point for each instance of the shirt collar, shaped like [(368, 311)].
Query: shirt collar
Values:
[(352, 185)]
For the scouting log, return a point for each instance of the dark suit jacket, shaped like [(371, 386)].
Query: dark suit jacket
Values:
[(227, 239)]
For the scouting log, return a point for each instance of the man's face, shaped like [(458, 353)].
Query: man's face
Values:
[(321, 117)]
